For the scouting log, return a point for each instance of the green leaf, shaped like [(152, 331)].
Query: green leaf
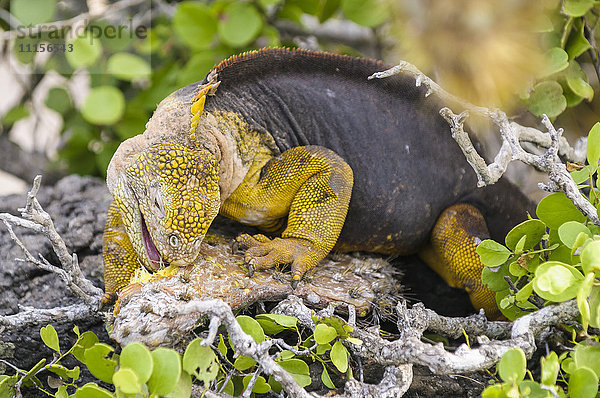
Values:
[(531, 389), (581, 87), (550, 368), (240, 24), (195, 24), (64, 372), (15, 114), (58, 99), (283, 320), (200, 361), (577, 8), (166, 371), (326, 379), (104, 105), (84, 341), (183, 389), (339, 356), (493, 278), (322, 349), (92, 390), (251, 327), (583, 383), (329, 7), (298, 369), (354, 340), (221, 346), (243, 363), (556, 209), (127, 381), (494, 391), (260, 386), (533, 229), (33, 12), (126, 66), (512, 366), (229, 388), (524, 293), (138, 358), (492, 253), (593, 146), (50, 337), (86, 51), (594, 302), (275, 385), (62, 392), (556, 281), (365, 12), (577, 43), (547, 98), (587, 356), (97, 363), (569, 231), (556, 60), (324, 334), (590, 257)]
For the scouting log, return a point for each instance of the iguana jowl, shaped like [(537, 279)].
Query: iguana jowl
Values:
[(302, 142)]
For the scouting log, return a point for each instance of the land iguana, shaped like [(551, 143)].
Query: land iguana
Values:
[(302, 143)]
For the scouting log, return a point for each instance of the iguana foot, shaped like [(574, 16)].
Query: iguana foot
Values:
[(264, 253)]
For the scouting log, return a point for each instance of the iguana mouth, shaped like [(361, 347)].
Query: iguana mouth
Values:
[(154, 257)]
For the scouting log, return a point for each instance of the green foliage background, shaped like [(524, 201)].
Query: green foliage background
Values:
[(129, 76)]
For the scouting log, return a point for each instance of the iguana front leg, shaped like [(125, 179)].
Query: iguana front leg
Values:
[(120, 258), (311, 185)]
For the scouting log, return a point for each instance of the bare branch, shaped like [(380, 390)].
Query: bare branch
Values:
[(35, 218), (410, 349), (29, 316), (512, 134)]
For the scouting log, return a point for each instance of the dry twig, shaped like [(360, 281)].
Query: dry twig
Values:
[(35, 218)]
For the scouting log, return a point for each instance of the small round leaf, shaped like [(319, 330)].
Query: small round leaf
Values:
[(577, 8), (92, 390), (583, 383), (200, 361), (533, 229), (195, 24), (97, 363), (569, 231), (339, 356), (556, 281), (556, 209), (240, 24), (127, 381), (104, 105), (252, 327), (492, 253), (512, 366), (547, 98), (50, 337), (138, 358), (590, 257), (365, 12), (86, 51), (166, 371), (324, 334), (126, 66), (33, 12)]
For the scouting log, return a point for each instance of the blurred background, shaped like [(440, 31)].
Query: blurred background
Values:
[(79, 77)]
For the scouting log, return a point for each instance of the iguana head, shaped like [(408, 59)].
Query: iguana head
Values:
[(168, 196)]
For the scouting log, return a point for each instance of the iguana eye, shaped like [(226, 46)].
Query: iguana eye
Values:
[(174, 240)]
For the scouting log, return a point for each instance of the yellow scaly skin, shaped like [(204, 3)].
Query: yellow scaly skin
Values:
[(452, 254), (175, 188)]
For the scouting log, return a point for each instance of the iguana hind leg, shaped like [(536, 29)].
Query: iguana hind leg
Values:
[(452, 254), (120, 258), (311, 185)]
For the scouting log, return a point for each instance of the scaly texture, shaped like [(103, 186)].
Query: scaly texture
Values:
[(302, 143)]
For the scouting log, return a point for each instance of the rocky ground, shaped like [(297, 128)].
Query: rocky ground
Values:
[(78, 206)]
